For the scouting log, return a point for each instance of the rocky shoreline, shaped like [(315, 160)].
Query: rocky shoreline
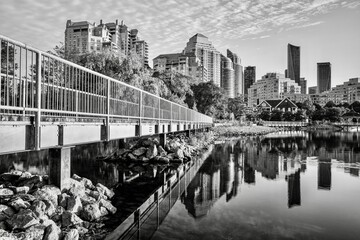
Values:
[(32, 209), (238, 131)]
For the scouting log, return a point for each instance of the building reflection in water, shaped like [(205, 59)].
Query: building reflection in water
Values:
[(324, 174), (236, 162)]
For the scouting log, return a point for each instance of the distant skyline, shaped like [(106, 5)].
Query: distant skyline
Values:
[(258, 31)]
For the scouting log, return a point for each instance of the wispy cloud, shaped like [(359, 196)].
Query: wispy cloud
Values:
[(164, 24)]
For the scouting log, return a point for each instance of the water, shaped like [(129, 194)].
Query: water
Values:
[(295, 186)]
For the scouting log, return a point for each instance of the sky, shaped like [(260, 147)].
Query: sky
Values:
[(257, 30)]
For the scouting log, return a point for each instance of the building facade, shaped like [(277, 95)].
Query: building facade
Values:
[(227, 76), (238, 70), (323, 76), (249, 77), (84, 37), (209, 57), (303, 85), (312, 90), (270, 87), (293, 62)]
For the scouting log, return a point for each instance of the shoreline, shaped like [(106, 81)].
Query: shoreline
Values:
[(240, 131)]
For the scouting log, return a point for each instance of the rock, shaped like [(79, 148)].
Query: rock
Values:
[(6, 192), (172, 145), (147, 143), (97, 195), (82, 230), (3, 224), (57, 216), (161, 151), (34, 232), (6, 212), (39, 208), (7, 236), (86, 199), (50, 207), (106, 191), (33, 181), (91, 212), (131, 157), (18, 204), (45, 221), (73, 234), (139, 151), (144, 159), (107, 204), (87, 183), (74, 188), (48, 192), (163, 160), (74, 204), (103, 211), (179, 153), (171, 156), (152, 152), (76, 177), (22, 190), (62, 200), (70, 219), (23, 220), (26, 197), (9, 177), (52, 232)]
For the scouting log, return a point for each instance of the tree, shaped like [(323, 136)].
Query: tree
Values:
[(355, 106), (318, 115), (332, 114), (299, 116), (276, 115), (288, 116), (330, 104), (210, 100), (265, 115), (236, 106)]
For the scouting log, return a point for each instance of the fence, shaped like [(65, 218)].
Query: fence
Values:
[(37, 83)]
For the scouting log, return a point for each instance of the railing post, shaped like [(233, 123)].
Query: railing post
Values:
[(107, 123), (139, 133), (38, 101)]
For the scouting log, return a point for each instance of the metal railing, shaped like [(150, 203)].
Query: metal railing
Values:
[(36, 83)]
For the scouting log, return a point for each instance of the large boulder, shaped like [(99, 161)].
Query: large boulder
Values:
[(52, 232), (152, 152), (86, 199), (161, 151), (48, 192), (139, 151), (74, 204), (70, 219), (6, 212), (39, 208), (18, 204), (23, 220), (32, 233), (107, 204), (26, 197), (73, 234), (50, 207), (57, 216), (62, 200), (104, 190), (9, 177), (74, 187), (91, 212), (179, 153), (6, 192), (22, 190), (33, 181)]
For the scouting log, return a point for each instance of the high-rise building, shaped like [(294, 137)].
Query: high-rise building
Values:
[(186, 64), (82, 37), (323, 76), (249, 77), (209, 57), (227, 76), (272, 86), (303, 84), (324, 174), (312, 90), (293, 62), (239, 77), (294, 191)]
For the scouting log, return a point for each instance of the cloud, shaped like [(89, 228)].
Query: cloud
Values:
[(165, 25)]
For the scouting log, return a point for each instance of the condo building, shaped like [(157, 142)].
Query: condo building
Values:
[(238, 71), (270, 87), (83, 37), (303, 86), (209, 57), (249, 77), (227, 76), (293, 62), (323, 76)]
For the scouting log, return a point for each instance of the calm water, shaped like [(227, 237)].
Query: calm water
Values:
[(285, 186)]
